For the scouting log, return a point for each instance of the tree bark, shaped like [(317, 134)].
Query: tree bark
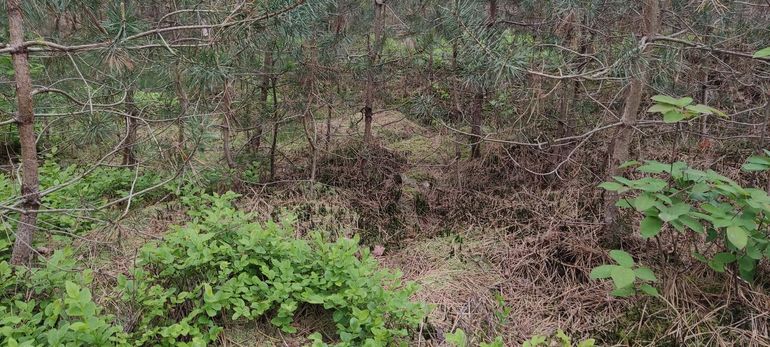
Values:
[(255, 141), (476, 120), (308, 120), (274, 140), (129, 150), (227, 118), (567, 122), (22, 247), (373, 53), (492, 15), (619, 149), (184, 104)]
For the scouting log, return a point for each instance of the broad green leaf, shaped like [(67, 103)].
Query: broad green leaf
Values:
[(717, 265), (649, 290), (602, 272), (650, 226), (643, 202), (745, 263), (724, 257), (623, 203), (628, 163), (622, 258), (753, 167), (672, 212), (692, 223), (611, 186), (700, 108), (700, 257), (762, 53), (623, 292), (661, 108), (665, 99), (673, 116), (737, 236), (645, 274)]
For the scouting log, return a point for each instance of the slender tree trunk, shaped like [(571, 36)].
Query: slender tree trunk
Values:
[(255, 141), (619, 149), (567, 121), (184, 104), (476, 121), (227, 118), (373, 52), (492, 15), (308, 119), (457, 109), (129, 145), (274, 140), (328, 126), (22, 247)]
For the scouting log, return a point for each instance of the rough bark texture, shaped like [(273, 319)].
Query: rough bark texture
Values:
[(373, 53), (129, 143), (22, 247), (619, 149), (492, 15), (274, 141), (227, 118), (567, 122), (184, 104), (308, 120), (255, 140), (476, 120)]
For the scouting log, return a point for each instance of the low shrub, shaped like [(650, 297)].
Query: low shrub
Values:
[(224, 266)]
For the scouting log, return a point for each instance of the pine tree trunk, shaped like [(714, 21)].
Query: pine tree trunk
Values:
[(227, 118), (129, 143), (567, 121), (373, 52), (184, 104), (476, 120), (308, 120), (492, 15), (619, 149), (22, 247), (255, 141), (274, 140)]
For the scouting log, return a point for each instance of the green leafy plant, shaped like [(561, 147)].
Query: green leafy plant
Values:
[(730, 218), (762, 53), (626, 276), (458, 338), (675, 110), (559, 339), (52, 306), (100, 186), (224, 266)]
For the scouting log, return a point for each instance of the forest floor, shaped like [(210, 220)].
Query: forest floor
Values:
[(492, 255)]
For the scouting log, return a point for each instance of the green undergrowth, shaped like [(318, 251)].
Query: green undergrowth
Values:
[(80, 200), (221, 268)]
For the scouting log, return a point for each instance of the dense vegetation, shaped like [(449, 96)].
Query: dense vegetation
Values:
[(384, 173)]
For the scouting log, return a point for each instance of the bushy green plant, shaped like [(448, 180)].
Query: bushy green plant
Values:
[(675, 110), (224, 266), (731, 218), (627, 277), (52, 306)]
